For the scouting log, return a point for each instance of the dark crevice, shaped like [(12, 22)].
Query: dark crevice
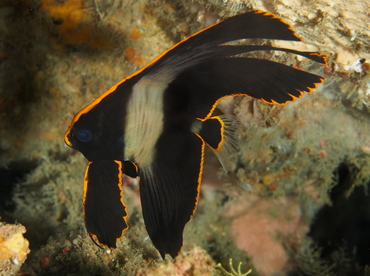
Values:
[(345, 225), (10, 175)]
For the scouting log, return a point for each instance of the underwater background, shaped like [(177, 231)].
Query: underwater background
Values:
[(296, 201)]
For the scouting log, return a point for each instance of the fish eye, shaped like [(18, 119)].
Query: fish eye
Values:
[(84, 135)]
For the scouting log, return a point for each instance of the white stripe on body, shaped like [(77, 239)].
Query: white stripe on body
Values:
[(144, 121)]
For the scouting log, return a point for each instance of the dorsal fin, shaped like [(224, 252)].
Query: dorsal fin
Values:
[(205, 44)]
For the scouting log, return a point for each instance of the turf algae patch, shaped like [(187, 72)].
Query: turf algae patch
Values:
[(47, 200)]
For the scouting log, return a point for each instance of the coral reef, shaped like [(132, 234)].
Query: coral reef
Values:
[(193, 262), (13, 248), (71, 19), (57, 56)]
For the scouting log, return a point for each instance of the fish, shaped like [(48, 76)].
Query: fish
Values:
[(154, 125)]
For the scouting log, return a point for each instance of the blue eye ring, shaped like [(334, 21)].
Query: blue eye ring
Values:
[(84, 135)]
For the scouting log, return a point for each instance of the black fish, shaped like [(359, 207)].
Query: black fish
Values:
[(155, 124)]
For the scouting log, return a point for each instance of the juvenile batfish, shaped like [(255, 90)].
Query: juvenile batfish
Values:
[(155, 124)]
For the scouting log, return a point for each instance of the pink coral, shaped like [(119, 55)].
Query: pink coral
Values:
[(256, 227)]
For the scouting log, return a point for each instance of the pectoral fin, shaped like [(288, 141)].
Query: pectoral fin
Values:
[(105, 212), (169, 189), (218, 133)]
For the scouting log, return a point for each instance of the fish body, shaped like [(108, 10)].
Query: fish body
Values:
[(156, 123)]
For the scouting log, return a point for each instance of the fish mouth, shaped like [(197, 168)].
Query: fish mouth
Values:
[(66, 137)]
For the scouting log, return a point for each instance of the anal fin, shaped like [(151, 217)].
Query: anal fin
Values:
[(169, 189)]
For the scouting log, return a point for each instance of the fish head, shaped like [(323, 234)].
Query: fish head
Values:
[(97, 134)]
